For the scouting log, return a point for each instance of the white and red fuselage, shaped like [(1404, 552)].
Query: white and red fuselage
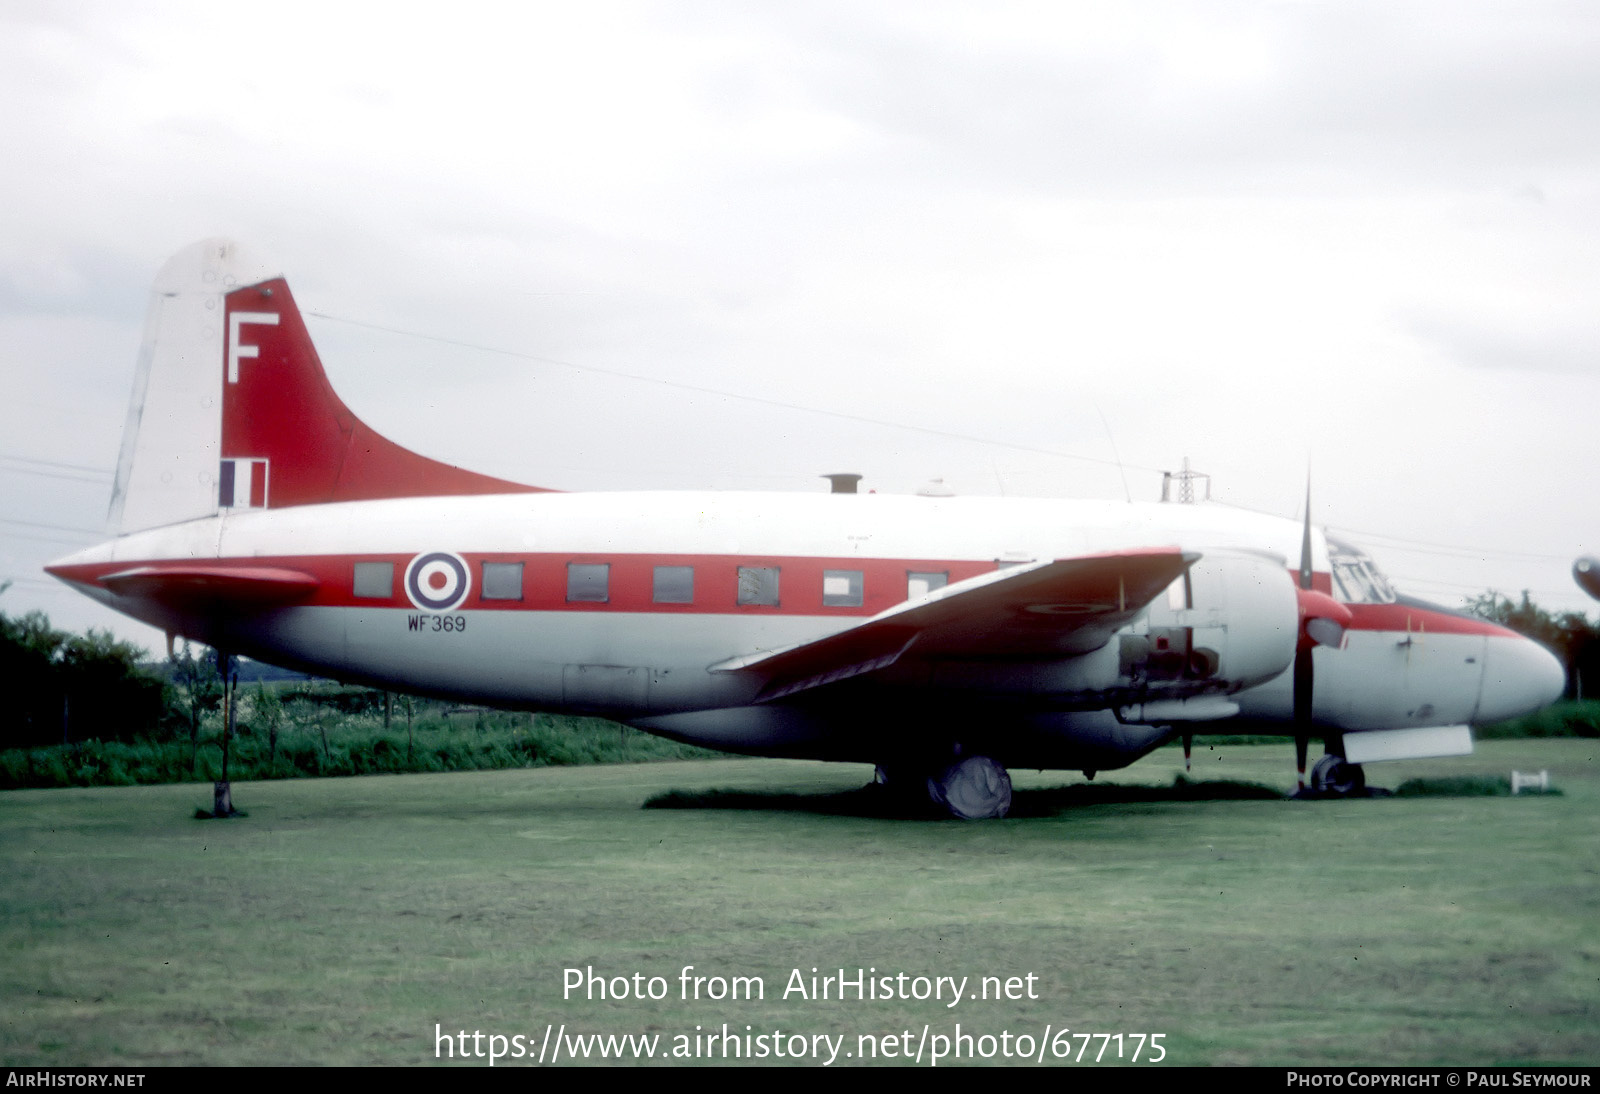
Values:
[(622, 647), (1046, 633)]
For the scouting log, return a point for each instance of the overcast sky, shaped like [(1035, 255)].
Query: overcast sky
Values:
[(738, 245)]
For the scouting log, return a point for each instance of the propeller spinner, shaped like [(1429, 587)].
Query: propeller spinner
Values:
[(1586, 571)]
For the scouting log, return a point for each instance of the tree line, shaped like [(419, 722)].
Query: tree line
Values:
[(65, 688), (1571, 636)]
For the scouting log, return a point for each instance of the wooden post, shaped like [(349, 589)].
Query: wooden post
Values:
[(221, 792)]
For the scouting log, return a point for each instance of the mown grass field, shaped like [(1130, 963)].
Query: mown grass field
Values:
[(342, 919)]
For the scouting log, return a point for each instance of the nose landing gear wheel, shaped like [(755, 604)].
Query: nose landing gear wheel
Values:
[(1336, 777)]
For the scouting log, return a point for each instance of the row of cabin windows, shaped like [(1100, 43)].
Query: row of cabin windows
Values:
[(590, 583)]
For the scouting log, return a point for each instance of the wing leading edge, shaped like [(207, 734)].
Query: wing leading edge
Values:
[(1059, 608)]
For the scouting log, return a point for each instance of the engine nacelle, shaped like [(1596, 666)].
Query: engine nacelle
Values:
[(1231, 622)]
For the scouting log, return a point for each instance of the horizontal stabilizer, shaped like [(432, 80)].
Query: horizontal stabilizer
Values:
[(1042, 610), (190, 585)]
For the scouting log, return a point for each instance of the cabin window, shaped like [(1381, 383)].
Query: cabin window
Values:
[(374, 580), (588, 582), (923, 582), (758, 585), (674, 585), (502, 581), (841, 588)]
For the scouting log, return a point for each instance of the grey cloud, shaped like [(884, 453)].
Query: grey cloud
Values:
[(1522, 345), (1352, 91)]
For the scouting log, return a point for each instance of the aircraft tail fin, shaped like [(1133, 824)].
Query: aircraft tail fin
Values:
[(231, 408)]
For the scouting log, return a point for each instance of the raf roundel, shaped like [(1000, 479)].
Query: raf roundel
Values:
[(437, 581)]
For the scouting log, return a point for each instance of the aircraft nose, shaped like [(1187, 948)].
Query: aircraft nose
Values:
[(1520, 676)]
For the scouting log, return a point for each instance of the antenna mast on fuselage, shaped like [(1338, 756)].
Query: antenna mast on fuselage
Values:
[(1186, 480)]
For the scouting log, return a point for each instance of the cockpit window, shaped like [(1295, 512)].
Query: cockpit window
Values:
[(1356, 578)]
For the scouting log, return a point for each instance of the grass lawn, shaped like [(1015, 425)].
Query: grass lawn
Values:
[(342, 920)]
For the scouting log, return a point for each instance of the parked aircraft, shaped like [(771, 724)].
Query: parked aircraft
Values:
[(942, 638), (1586, 572)]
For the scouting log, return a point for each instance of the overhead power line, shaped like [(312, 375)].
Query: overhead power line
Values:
[(54, 527), (45, 539), (50, 469), (57, 464), (1455, 550), (720, 393)]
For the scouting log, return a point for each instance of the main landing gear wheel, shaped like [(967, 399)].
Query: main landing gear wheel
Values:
[(1337, 777), (974, 788)]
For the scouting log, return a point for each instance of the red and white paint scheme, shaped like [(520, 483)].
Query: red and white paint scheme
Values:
[(941, 638)]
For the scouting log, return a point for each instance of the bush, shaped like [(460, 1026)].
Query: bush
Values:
[(302, 731), (65, 687), (1567, 719)]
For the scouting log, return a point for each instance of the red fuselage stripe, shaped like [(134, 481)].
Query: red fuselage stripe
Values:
[(631, 577), (630, 581), (1408, 619)]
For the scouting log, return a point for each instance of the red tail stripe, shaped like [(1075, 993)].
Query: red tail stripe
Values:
[(277, 405)]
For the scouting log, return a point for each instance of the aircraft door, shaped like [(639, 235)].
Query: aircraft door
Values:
[(1443, 674)]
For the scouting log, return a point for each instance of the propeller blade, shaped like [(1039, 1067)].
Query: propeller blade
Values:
[(1304, 678), (1305, 542), (1303, 682)]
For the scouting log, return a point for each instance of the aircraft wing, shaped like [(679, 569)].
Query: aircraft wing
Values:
[(1058, 608)]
